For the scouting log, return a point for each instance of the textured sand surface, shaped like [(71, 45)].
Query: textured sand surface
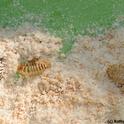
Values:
[(75, 90)]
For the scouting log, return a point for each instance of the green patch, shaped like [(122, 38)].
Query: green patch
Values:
[(17, 76), (66, 47), (63, 18)]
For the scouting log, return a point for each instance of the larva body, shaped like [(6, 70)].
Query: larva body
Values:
[(116, 73), (33, 67)]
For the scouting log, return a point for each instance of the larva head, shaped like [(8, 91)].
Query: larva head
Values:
[(19, 68)]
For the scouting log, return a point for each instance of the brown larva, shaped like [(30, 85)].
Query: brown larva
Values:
[(33, 67), (116, 73)]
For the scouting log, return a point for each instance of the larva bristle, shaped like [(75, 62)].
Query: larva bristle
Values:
[(44, 65), (31, 68), (35, 68), (25, 68), (40, 68)]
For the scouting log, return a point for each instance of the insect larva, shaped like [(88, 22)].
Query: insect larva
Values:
[(33, 67), (115, 72)]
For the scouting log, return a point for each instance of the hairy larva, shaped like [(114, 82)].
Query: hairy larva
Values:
[(33, 67)]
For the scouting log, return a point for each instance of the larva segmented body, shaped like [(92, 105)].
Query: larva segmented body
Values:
[(116, 73), (33, 67)]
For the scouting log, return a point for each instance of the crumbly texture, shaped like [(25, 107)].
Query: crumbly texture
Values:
[(75, 90)]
